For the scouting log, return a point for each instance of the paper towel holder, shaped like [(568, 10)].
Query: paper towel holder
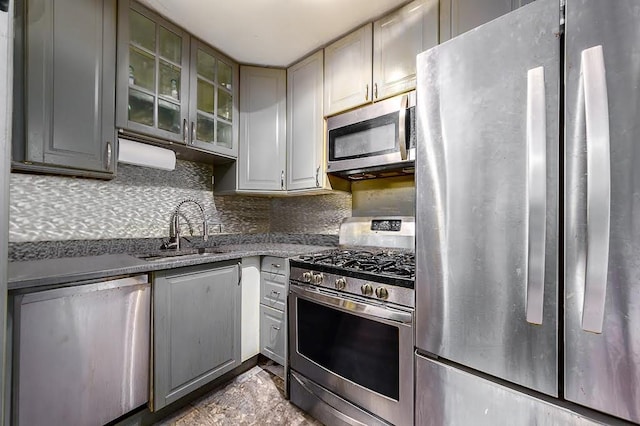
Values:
[(145, 155)]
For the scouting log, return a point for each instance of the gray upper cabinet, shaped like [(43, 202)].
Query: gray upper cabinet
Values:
[(379, 60), (397, 39), (262, 159), (196, 326), (306, 163), (282, 129), (70, 96), (171, 86), (212, 110), (347, 71), (153, 74), (459, 16)]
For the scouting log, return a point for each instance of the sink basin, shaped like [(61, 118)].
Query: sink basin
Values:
[(189, 253)]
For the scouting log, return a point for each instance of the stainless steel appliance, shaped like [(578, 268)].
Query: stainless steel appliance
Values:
[(529, 234), (351, 327), (377, 140), (81, 354)]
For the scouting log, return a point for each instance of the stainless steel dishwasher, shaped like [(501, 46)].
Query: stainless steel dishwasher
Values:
[(81, 354)]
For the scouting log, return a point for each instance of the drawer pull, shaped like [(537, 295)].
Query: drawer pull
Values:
[(277, 293), (275, 265), (275, 328)]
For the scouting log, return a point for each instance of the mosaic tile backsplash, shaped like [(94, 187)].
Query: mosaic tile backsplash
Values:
[(139, 202)]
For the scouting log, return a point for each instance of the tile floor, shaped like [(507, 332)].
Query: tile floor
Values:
[(255, 397)]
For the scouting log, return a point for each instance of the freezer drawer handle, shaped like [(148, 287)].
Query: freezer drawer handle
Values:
[(596, 107), (536, 193)]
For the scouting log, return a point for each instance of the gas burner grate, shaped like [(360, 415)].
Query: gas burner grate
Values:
[(382, 261)]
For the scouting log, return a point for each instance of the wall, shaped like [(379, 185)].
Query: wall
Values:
[(393, 196), (318, 214), (139, 201)]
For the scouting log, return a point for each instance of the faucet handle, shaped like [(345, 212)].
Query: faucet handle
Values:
[(171, 244)]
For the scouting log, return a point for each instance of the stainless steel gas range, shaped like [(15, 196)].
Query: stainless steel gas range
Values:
[(351, 315)]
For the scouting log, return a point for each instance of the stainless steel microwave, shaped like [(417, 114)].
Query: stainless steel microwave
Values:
[(377, 140)]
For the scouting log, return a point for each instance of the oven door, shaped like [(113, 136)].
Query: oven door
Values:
[(361, 351), (374, 136)]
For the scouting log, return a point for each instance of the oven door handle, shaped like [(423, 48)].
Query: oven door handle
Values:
[(352, 305)]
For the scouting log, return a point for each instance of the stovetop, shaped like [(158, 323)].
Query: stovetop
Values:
[(380, 265), (374, 263)]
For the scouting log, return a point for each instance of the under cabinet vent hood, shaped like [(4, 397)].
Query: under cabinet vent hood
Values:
[(140, 154)]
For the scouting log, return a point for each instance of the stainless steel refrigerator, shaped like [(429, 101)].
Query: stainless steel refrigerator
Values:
[(528, 218)]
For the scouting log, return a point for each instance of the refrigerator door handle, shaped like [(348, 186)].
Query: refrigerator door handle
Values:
[(598, 187), (536, 194)]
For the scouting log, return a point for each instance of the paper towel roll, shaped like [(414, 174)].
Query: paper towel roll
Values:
[(140, 154)]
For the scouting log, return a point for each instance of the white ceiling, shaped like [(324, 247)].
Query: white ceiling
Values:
[(270, 32)]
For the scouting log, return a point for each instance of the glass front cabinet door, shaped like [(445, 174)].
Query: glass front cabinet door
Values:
[(212, 113), (153, 75), (171, 86)]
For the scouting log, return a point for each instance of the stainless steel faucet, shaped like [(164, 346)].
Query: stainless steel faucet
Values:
[(174, 224)]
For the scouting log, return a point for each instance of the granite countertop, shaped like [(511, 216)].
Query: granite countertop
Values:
[(32, 274)]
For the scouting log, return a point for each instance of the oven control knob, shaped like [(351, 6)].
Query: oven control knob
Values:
[(382, 293), (306, 277), (317, 279), (366, 289), (341, 283)]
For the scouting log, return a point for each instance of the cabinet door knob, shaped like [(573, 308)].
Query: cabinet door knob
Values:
[(366, 92), (318, 177)]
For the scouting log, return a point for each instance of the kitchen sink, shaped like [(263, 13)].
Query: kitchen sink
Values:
[(189, 253)]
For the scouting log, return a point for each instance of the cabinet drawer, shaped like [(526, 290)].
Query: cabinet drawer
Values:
[(274, 265), (272, 290), (272, 334)]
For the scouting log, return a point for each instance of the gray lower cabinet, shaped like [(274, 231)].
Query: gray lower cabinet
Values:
[(196, 326), (273, 297), (272, 290), (272, 333), (67, 91)]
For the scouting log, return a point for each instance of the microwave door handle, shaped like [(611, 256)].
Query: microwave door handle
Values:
[(402, 133)]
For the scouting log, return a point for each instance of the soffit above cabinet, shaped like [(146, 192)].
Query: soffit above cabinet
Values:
[(270, 32)]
